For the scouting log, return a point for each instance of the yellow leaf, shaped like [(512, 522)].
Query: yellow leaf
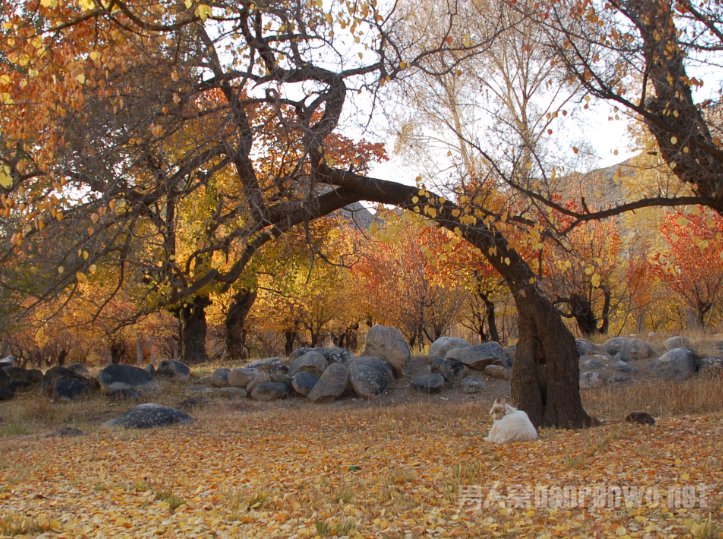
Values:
[(595, 280), (48, 3), (188, 3), (80, 78), (6, 179), (203, 11)]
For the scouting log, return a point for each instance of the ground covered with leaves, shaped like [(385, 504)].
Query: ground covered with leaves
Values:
[(414, 470)]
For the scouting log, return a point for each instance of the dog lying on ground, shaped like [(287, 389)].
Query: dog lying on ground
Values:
[(510, 424)]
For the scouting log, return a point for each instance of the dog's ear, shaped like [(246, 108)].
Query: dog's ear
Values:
[(503, 400)]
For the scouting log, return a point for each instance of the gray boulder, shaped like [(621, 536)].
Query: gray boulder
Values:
[(622, 366), (7, 389), (219, 377), (676, 364), (269, 391), (441, 346), (452, 370), (260, 378), (584, 347), (499, 372), (149, 415), (125, 377), (472, 384), (430, 383), (272, 365), (594, 361), (590, 380), (676, 342), (241, 376), (68, 389), (303, 382), (312, 361), (480, 355), (334, 354), (628, 348), (8, 361), (173, 369), (79, 368), (331, 384), (370, 376), (23, 379), (388, 344)]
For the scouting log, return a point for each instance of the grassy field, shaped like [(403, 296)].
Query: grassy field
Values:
[(415, 469)]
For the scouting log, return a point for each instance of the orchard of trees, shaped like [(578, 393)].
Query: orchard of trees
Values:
[(179, 170)]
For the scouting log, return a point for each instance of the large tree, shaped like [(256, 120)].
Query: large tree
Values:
[(115, 111)]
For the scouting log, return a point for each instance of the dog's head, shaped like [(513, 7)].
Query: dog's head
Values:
[(499, 409)]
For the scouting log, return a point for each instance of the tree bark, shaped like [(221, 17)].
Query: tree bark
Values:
[(236, 330), (192, 317)]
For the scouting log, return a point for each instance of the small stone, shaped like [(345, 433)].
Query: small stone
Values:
[(472, 384), (499, 372), (430, 383)]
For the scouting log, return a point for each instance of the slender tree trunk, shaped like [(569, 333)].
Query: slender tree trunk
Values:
[(236, 331), (491, 321), (289, 339), (192, 318)]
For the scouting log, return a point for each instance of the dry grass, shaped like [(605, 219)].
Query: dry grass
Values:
[(658, 398)]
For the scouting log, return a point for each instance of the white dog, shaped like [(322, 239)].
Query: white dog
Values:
[(510, 424)]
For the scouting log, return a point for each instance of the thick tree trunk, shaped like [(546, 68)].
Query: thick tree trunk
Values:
[(545, 373), (192, 317), (236, 330)]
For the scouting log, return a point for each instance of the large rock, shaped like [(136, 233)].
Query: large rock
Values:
[(627, 348), (23, 379), (430, 382), (272, 365), (55, 374), (68, 389), (388, 344), (173, 369), (370, 376), (303, 382), (472, 384), (7, 389), (334, 354), (312, 361), (480, 355), (584, 347), (126, 378), (676, 364), (269, 391), (499, 372), (676, 342), (79, 368), (452, 369), (260, 378), (594, 361), (441, 346), (219, 377), (241, 376), (150, 415), (331, 384), (8, 361)]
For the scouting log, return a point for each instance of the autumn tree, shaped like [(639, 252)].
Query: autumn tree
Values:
[(156, 103), (692, 262)]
